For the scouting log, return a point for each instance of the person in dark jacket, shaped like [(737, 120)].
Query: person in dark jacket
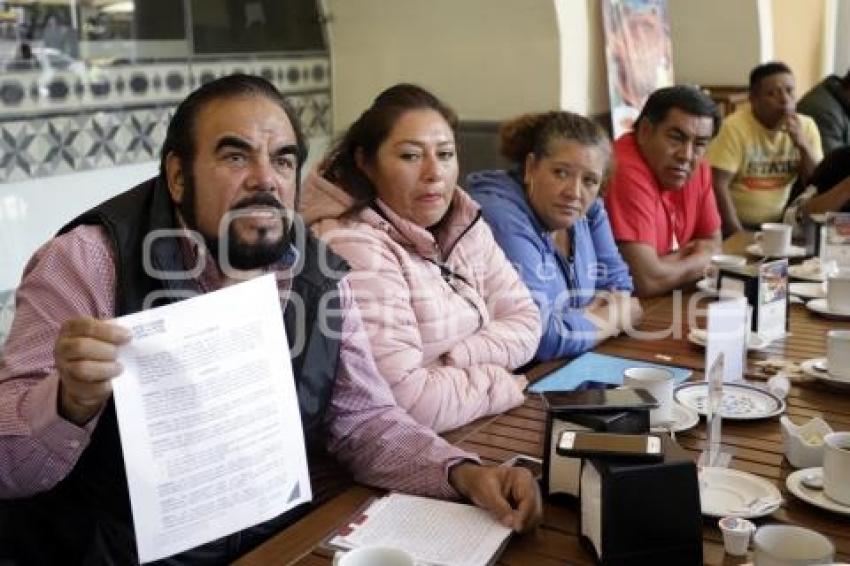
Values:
[(546, 215), (828, 103)]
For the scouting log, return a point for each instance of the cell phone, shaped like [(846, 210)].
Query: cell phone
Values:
[(596, 399), (578, 444), (533, 465)]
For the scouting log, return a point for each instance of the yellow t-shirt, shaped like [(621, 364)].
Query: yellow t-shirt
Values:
[(764, 163)]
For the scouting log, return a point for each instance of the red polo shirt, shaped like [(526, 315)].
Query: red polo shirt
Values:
[(640, 211)]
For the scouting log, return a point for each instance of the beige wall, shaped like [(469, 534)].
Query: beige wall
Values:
[(715, 42), (798, 38), (489, 59)]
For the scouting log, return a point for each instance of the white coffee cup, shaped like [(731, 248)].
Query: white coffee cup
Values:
[(659, 382), (775, 238), (373, 556), (838, 354), (836, 467), (838, 291), (790, 545)]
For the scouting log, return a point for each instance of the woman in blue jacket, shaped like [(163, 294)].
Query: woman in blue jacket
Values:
[(546, 215)]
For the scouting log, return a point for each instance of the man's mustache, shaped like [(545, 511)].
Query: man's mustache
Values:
[(259, 199)]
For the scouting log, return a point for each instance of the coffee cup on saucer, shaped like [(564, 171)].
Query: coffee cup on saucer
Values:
[(836, 467), (774, 238), (374, 556), (838, 354), (659, 382), (838, 291)]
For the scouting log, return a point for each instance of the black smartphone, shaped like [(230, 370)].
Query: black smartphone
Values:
[(533, 465), (596, 399), (642, 447)]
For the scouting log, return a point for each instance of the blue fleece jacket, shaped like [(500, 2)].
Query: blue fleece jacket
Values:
[(561, 286)]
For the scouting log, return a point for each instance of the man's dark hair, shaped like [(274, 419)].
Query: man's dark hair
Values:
[(688, 99), (765, 70), (845, 80), (180, 136)]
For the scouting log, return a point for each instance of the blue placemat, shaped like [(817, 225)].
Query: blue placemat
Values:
[(597, 367)]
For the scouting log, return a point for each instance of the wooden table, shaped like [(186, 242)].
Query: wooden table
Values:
[(756, 446)]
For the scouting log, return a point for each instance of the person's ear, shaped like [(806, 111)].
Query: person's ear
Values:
[(174, 177), (644, 130), (530, 162), (362, 163)]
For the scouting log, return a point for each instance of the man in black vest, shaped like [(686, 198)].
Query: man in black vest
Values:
[(229, 176)]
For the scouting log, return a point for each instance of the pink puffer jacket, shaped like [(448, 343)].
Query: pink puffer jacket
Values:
[(448, 317)]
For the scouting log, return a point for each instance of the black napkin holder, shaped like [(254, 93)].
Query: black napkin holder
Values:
[(643, 513), (561, 474), (748, 278)]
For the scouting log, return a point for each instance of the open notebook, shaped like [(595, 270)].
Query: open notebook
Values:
[(435, 532)]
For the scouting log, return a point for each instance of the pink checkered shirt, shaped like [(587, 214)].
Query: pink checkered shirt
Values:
[(74, 275)]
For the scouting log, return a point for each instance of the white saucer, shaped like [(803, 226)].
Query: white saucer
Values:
[(724, 492), (807, 290), (810, 367), (756, 343), (820, 307), (684, 418), (814, 497), (802, 272), (792, 251), (741, 401)]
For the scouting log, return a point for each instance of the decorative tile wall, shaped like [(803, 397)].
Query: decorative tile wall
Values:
[(60, 122)]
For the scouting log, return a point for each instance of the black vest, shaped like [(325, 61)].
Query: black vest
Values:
[(94, 498)]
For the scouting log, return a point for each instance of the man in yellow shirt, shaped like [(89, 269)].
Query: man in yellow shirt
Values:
[(761, 150)]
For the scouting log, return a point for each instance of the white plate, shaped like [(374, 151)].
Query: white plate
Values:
[(724, 492), (807, 290), (741, 401), (684, 418), (810, 367), (814, 497), (707, 286), (755, 344), (792, 251), (820, 307), (802, 272)]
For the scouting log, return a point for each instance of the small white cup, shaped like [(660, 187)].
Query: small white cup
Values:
[(790, 545), (836, 467), (775, 238), (838, 291), (374, 556), (838, 354), (736, 534), (659, 382)]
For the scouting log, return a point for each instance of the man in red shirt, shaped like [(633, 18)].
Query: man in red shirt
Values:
[(660, 198)]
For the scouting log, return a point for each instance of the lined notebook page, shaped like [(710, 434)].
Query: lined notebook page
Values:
[(435, 532)]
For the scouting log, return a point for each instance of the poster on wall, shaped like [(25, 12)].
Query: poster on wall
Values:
[(638, 52)]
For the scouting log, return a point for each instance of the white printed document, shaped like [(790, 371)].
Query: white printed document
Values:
[(435, 532), (209, 419)]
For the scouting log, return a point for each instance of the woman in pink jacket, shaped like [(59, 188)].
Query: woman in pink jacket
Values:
[(447, 315)]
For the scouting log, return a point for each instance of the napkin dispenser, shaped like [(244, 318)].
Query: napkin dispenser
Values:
[(561, 474), (642, 513)]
